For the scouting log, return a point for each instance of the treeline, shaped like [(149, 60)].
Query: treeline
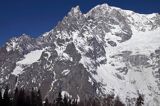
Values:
[(20, 97)]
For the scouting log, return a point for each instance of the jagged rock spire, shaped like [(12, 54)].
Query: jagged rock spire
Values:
[(75, 11)]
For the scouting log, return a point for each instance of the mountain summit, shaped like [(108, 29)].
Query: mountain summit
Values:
[(105, 51)]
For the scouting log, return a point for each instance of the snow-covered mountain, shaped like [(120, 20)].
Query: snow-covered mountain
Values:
[(108, 50)]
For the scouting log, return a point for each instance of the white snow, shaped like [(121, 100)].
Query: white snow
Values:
[(33, 80), (90, 80), (65, 93), (48, 55), (11, 46), (45, 34), (52, 85), (151, 15), (126, 88), (29, 58), (144, 82), (60, 51), (8, 48), (65, 72), (142, 42), (78, 98), (1, 80), (76, 9), (62, 54), (51, 88), (17, 70)]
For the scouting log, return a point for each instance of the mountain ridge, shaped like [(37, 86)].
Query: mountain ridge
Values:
[(105, 51)]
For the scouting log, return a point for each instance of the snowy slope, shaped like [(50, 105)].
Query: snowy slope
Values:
[(29, 58), (130, 84)]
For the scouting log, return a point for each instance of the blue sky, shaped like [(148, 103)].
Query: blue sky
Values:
[(34, 17)]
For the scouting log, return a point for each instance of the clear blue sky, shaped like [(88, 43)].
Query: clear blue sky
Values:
[(34, 17)]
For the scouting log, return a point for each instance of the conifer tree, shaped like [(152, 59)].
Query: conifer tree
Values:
[(39, 98), (46, 102), (6, 98), (59, 100), (1, 98), (70, 102), (74, 103), (33, 98), (15, 97), (109, 100), (65, 100), (28, 101), (117, 102), (140, 100), (21, 98)]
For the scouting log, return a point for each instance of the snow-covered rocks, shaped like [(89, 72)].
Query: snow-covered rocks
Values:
[(105, 51)]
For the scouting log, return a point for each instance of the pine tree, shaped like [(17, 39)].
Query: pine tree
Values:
[(1, 104), (33, 98), (28, 101), (65, 100), (46, 102), (117, 102), (6, 98), (70, 102), (21, 98), (109, 100), (140, 100), (15, 98), (39, 98), (59, 100), (74, 103), (94, 103)]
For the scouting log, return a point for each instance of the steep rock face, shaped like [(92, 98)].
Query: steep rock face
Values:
[(110, 19), (107, 50)]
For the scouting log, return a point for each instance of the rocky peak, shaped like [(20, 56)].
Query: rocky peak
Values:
[(99, 10), (20, 38), (22, 43), (75, 11), (102, 7)]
